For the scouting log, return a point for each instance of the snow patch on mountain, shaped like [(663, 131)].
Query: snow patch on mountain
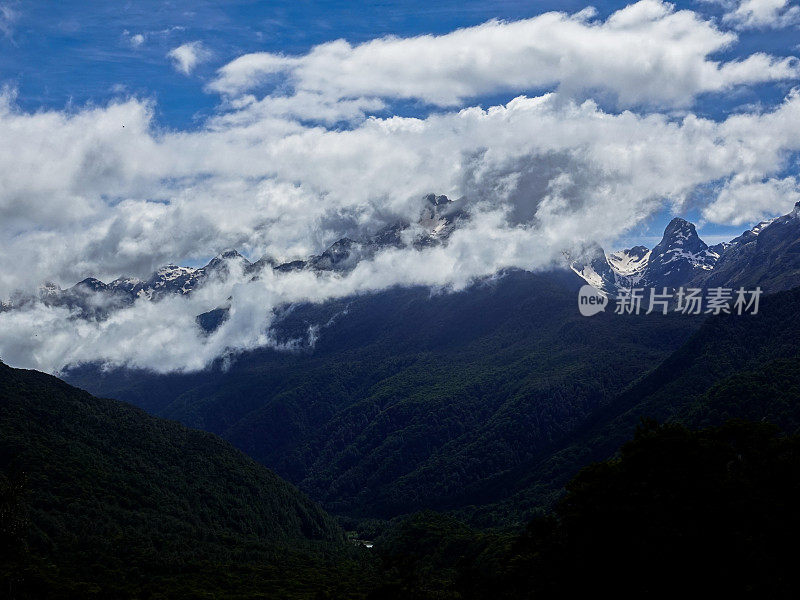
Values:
[(92, 298), (630, 261), (591, 276), (681, 258)]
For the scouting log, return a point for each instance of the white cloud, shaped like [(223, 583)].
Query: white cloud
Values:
[(742, 201), (644, 54), (302, 105), (187, 56), (761, 14), (135, 40), (125, 200), (7, 18), (164, 337)]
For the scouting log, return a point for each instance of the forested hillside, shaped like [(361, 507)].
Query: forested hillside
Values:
[(99, 499), (678, 513), (732, 367), (410, 400)]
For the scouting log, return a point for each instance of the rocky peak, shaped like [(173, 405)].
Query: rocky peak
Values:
[(91, 284), (680, 234)]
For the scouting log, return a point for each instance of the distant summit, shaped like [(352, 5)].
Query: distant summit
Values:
[(439, 217), (768, 255), (679, 257)]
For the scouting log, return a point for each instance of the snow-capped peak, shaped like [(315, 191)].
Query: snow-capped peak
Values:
[(171, 272), (681, 233), (630, 261), (763, 224)]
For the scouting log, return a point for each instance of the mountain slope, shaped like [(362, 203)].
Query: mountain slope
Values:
[(767, 256), (732, 367), (94, 299), (122, 504), (413, 401), (704, 514), (679, 257)]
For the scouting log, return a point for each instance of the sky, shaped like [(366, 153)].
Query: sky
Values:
[(140, 134)]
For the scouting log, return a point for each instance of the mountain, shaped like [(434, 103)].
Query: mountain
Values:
[(94, 299), (411, 400), (732, 367), (768, 255), (726, 350), (408, 400), (630, 263), (676, 508), (594, 267), (711, 510), (679, 257), (98, 499)]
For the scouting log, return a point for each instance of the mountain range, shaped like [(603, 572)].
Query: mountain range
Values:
[(92, 298), (394, 407), (412, 401), (482, 404), (98, 499), (487, 410), (768, 256)]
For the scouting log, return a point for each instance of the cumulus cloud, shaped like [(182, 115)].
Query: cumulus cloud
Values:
[(760, 14), (645, 54), (308, 106), (743, 201), (164, 337), (116, 200), (187, 56), (124, 200)]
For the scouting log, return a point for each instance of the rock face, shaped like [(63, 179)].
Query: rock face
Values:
[(439, 218), (630, 263), (597, 270), (679, 257), (768, 255)]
